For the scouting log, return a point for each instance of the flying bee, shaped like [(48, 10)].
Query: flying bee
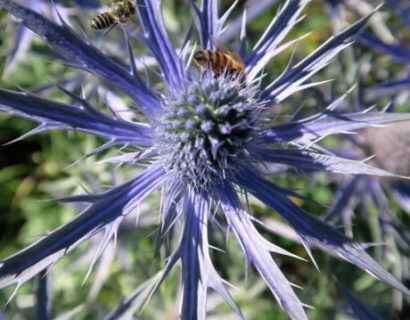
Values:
[(119, 12), (222, 62)]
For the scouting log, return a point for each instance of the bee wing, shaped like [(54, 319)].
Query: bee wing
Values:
[(219, 45), (134, 29), (238, 58), (221, 48), (110, 28)]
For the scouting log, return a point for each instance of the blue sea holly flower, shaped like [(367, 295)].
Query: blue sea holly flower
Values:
[(203, 143)]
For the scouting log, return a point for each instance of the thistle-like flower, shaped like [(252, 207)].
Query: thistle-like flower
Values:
[(206, 141)]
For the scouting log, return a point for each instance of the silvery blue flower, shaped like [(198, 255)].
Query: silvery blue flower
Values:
[(206, 142)]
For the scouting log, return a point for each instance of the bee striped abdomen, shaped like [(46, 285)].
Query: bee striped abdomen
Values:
[(102, 21), (221, 63), (216, 62)]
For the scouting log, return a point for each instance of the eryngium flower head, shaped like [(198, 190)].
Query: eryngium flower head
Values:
[(207, 131), (206, 139)]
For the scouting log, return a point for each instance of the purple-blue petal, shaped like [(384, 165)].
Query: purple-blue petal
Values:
[(195, 229), (306, 160), (104, 210), (276, 32), (293, 78), (84, 55), (389, 87), (57, 115), (22, 43), (396, 51), (257, 252), (198, 272), (137, 299), (208, 21), (328, 123), (43, 297), (344, 200), (311, 229), (158, 41), (360, 310), (402, 194)]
